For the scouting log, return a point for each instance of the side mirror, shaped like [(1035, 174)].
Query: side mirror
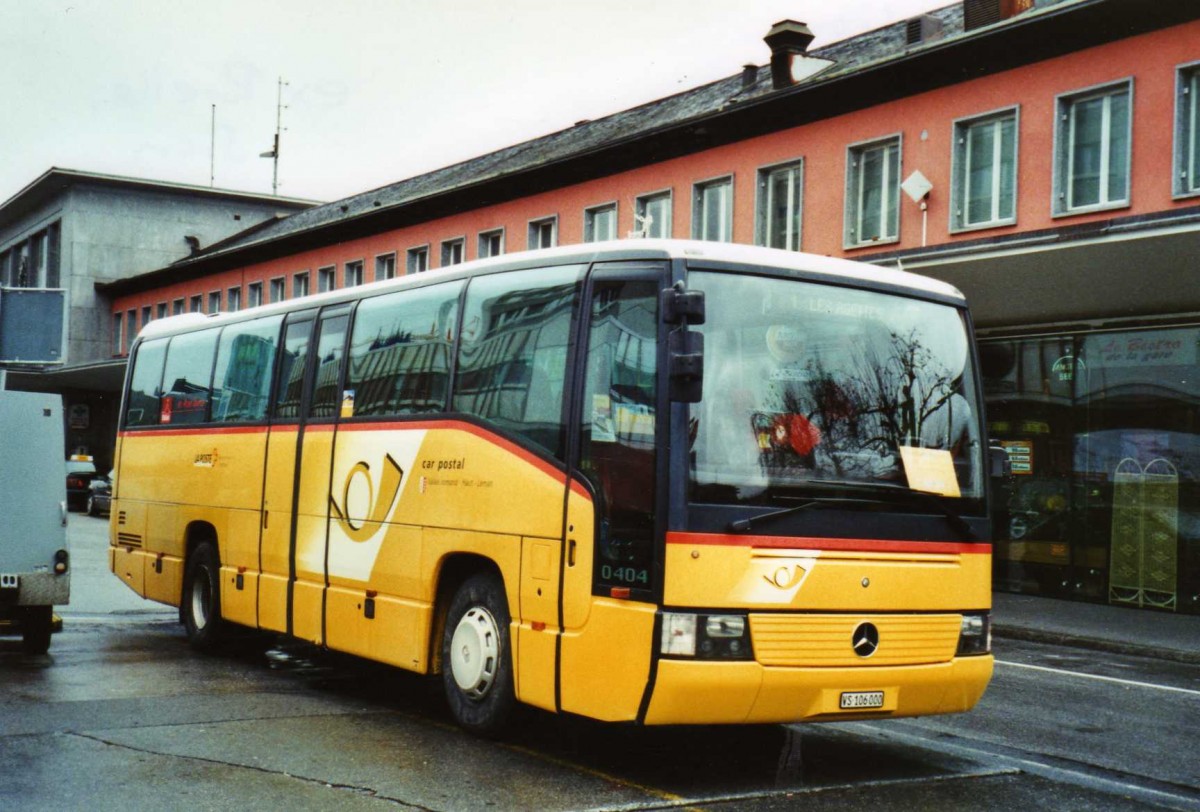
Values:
[(680, 306)]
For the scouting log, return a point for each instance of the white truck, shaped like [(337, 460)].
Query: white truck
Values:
[(35, 566)]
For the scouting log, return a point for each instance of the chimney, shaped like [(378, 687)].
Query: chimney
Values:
[(925, 28), (749, 76), (788, 41), (978, 13)]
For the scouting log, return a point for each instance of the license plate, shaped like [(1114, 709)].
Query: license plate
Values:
[(9, 581), (858, 700)]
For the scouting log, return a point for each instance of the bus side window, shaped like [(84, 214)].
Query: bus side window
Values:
[(187, 378), (145, 386), (289, 386), (617, 450), (400, 351), (331, 344), (513, 352), (242, 383)]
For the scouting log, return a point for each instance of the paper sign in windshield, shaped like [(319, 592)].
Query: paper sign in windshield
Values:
[(930, 470)]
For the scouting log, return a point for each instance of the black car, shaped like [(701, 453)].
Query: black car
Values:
[(99, 500), (80, 473)]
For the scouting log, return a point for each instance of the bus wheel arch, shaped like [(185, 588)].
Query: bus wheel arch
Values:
[(475, 657), (200, 603)]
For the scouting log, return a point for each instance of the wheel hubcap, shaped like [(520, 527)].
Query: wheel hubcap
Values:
[(475, 652), (200, 600)]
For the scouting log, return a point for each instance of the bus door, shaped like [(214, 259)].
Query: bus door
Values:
[(611, 566), (314, 462), (282, 473)]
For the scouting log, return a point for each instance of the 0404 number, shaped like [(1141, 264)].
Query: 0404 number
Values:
[(624, 575)]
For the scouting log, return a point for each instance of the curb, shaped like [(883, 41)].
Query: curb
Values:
[(1096, 644)]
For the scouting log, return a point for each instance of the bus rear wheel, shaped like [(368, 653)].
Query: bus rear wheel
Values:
[(477, 656), (36, 629), (201, 604)]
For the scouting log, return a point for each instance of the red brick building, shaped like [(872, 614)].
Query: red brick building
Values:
[(1042, 156)]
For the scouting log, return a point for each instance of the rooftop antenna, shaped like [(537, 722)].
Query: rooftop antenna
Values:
[(212, 149), (273, 153)]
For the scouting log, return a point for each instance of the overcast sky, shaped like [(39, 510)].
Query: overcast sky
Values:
[(377, 90)]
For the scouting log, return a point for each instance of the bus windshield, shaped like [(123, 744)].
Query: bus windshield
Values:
[(810, 386)]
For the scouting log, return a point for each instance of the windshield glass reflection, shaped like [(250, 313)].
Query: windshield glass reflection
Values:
[(807, 382)]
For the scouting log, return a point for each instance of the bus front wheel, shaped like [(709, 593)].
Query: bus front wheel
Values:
[(476, 656), (201, 605)]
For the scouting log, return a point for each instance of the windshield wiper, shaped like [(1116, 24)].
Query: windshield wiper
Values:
[(922, 497), (742, 525), (952, 517)]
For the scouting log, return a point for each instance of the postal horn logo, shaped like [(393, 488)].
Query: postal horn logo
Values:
[(358, 525)]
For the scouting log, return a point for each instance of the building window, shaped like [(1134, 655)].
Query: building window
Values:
[(543, 233), (278, 289), (652, 215), (600, 223), (354, 274), (712, 210), (196, 303), (418, 259), (873, 192), (177, 307), (118, 337), (385, 267), (162, 310), (985, 171), (214, 302), (234, 300), (325, 279), (453, 251), (146, 315), (491, 243), (1092, 158), (1187, 132), (300, 285), (254, 294), (131, 327), (780, 196)]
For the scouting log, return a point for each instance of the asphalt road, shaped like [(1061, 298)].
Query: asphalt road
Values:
[(122, 715)]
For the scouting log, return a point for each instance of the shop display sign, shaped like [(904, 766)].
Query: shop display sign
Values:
[(1020, 455), (1155, 348)]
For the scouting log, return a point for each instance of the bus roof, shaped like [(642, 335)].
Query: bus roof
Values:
[(696, 253)]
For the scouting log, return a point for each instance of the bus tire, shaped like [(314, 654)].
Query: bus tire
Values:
[(477, 656), (200, 607), (36, 628)]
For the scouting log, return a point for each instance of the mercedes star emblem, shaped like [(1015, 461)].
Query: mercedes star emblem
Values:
[(865, 639)]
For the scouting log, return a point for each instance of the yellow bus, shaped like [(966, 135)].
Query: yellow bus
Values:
[(660, 482)]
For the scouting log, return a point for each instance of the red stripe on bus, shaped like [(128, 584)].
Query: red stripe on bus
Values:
[(150, 435), (853, 545)]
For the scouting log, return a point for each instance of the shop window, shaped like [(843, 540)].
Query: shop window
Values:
[(712, 210), (985, 171), (1187, 132), (418, 259), (600, 223), (543, 233), (652, 216), (780, 200), (1102, 431), (1092, 157), (873, 193)]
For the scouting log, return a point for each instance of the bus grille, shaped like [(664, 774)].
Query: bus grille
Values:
[(825, 641)]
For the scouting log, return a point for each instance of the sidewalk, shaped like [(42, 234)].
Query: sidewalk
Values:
[(1117, 629)]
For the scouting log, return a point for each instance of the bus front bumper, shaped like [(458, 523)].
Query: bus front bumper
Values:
[(700, 692)]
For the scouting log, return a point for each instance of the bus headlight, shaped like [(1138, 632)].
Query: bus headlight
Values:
[(706, 637), (975, 636)]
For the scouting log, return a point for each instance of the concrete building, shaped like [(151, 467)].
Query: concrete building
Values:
[(68, 232), (1043, 156)]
